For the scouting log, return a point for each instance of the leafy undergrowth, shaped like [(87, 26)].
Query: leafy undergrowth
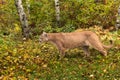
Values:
[(29, 60)]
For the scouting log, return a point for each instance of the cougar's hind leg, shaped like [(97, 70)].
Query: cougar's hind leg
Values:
[(86, 51), (104, 52), (96, 44), (100, 48)]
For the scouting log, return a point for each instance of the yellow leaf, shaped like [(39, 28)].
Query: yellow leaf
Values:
[(104, 70), (45, 65), (26, 56), (17, 27), (8, 57), (5, 78), (28, 70)]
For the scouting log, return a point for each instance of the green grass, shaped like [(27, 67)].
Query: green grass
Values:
[(30, 60)]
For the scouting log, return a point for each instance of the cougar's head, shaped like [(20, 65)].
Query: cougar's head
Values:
[(43, 37)]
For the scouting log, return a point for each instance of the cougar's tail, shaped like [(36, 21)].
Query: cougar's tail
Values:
[(109, 46)]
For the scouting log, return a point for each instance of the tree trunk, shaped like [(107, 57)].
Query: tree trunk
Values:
[(101, 1), (118, 19), (2, 2), (104, 1), (23, 18), (57, 11), (96, 1)]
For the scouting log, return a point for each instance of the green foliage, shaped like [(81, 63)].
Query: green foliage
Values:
[(87, 13), (74, 14)]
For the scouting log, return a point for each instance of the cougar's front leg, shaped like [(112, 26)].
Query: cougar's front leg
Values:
[(62, 53), (61, 49)]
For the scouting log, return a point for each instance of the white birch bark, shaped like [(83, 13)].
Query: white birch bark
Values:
[(23, 18), (57, 10), (118, 19)]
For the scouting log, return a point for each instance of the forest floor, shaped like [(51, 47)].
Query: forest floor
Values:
[(29, 60)]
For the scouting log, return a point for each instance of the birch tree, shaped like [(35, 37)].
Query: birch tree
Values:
[(57, 11), (118, 19), (23, 18)]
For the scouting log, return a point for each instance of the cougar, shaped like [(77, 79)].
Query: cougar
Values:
[(84, 39)]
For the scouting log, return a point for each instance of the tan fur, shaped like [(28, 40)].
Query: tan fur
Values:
[(84, 39)]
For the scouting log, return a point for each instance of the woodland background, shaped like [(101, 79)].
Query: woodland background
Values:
[(28, 60)]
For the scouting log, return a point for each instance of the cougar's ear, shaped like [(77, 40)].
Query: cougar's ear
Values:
[(45, 34)]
